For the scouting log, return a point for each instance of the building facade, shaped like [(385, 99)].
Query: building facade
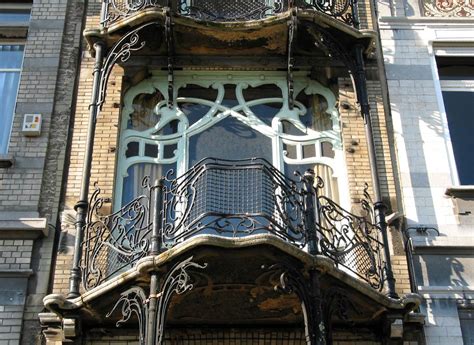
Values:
[(159, 202), (428, 54)]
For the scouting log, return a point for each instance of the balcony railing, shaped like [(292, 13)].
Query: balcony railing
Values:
[(230, 199), (228, 10)]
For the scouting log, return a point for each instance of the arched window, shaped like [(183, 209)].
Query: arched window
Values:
[(235, 115)]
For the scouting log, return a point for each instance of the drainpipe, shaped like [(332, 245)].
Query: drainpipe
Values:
[(379, 206), (82, 205)]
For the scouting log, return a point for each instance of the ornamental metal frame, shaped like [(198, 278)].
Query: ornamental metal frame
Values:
[(151, 312), (229, 10), (211, 199)]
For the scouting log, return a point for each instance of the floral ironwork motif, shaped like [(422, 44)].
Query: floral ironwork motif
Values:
[(353, 242), (448, 8), (134, 300), (113, 242), (229, 10), (114, 10), (236, 199)]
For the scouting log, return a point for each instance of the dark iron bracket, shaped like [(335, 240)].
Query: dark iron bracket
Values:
[(308, 291), (170, 50), (151, 312), (292, 29)]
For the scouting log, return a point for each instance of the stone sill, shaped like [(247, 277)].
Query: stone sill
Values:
[(427, 20), (462, 192), (23, 228), (13, 273), (6, 161), (451, 242)]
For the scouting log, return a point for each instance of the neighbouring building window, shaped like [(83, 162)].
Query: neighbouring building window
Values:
[(11, 58), (237, 116), (456, 76), (466, 318)]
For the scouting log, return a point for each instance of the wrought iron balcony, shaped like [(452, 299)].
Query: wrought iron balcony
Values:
[(229, 10), (230, 199)]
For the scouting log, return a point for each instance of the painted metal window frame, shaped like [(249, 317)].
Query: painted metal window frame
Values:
[(217, 112)]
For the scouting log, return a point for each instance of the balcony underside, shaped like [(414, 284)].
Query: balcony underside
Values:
[(237, 287), (249, 38)]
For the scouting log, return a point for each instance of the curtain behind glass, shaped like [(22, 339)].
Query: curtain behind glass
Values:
[(10, 64)]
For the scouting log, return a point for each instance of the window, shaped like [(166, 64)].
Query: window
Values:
[(456, 76), (466, 318), (11, 58), (228, 116)]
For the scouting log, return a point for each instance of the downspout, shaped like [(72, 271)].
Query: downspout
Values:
[(82, 205), (379, 206)]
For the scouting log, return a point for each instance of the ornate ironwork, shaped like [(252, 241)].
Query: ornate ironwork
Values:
[(448, 8), (337, 305), (291, 280), (121, 51), (113, 242), (353, 242), (292, 27), (237, 199), (177, 282), (114, 10), (229, 10), (345, 10), (134, 301)]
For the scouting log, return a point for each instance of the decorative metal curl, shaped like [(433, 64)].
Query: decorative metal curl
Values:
[(115, 241), (291, 280), (134, 301), (177, 282), (114, 10), (233, 197), (121, 51)]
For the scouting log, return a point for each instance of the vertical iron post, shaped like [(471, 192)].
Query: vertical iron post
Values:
[(310, 216), (157, 219), (82, 205), (379, 206)]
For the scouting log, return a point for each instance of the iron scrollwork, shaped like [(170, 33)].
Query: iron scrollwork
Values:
[(230, 10), (120, 52), (114, 10), (134, 301), (291, 280), (353, 242), (233, 198), (115, 241)]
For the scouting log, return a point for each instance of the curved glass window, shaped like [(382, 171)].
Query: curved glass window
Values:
[(228, 116)]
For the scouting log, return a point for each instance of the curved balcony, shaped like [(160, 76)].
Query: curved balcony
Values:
[(231, 199), (229, 10)]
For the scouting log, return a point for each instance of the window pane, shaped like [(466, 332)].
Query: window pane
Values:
[(455, 68), (14, 15), (460, 113), (11, 56), (229, 139)]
